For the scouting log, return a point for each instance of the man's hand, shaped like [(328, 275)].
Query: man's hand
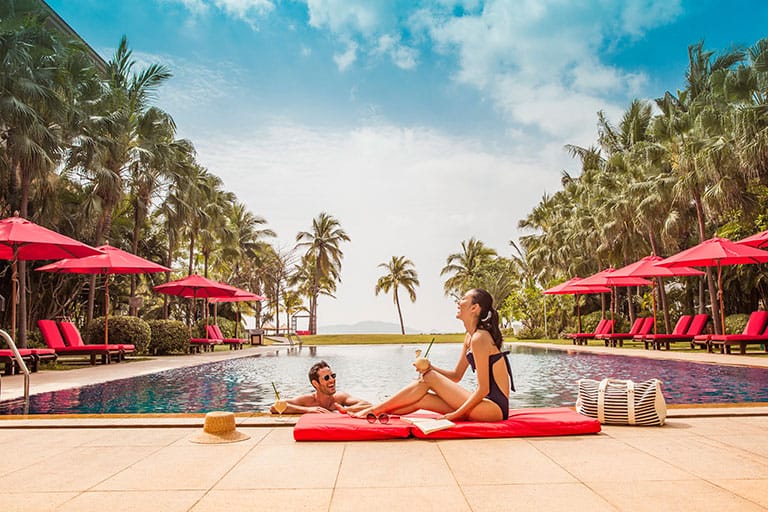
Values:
[(317, 409)]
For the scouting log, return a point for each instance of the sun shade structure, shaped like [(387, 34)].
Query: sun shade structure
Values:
[(757, 240), (716, 252), (21, 239), (111, 261), (196, 287), (239, 296), (609, 278), (573, 286), (646, 267)]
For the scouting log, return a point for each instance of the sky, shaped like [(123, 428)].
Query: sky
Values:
[(417, 124)]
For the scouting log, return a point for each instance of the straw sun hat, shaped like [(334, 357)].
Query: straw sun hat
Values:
[(219, 428)]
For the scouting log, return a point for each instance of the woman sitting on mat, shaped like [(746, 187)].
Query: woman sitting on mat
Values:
[(438, 390)]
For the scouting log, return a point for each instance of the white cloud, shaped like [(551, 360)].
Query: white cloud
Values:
[(540, 62), (249, 11), (345, 17), (402, 56), (638, 16), (347, 58)]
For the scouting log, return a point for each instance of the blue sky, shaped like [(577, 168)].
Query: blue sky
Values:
[(418, 124)]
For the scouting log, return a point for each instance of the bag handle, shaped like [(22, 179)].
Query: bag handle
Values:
[(630, 399)]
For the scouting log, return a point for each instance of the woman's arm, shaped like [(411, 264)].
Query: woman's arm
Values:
[(461, 367), (480, 344)]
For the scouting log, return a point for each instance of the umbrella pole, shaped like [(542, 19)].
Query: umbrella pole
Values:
[(578, 312), (14, 291), (106, 309), (653, 301), (720, 296)]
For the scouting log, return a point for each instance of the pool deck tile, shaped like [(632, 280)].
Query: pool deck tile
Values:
[(704, 458)]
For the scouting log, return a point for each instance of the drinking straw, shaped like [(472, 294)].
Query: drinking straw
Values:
[(429, 347), (276, 393)]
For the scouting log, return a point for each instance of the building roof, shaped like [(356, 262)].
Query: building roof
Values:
[(57, 23)]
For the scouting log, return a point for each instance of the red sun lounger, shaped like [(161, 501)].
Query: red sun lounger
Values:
[(754, 333), (582, 338), (641, 326), (53, 339), (679, 330), (697, 326), (215, 332), (73, 338)]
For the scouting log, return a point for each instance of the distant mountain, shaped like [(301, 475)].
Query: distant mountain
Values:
[(365, 327)]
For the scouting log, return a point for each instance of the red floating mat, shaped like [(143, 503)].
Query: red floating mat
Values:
[(340, 427), (556, 421), (532, 422)]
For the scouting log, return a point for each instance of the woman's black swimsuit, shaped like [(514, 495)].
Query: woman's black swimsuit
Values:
[(496, 395)]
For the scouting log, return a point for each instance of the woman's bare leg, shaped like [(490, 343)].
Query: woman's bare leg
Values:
[(446, 396)]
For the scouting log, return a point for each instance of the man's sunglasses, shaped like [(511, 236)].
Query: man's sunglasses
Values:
[(326, 378)]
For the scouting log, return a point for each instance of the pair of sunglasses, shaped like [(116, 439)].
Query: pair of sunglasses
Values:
[(383, 418), (326, 378)]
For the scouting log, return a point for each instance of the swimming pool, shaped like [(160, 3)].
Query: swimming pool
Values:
[(544, 378)]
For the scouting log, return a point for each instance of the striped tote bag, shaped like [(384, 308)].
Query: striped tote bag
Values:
[(622, 402)]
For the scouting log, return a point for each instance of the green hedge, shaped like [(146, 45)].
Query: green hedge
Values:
[(168, 336), (734, 324), (122, 329)]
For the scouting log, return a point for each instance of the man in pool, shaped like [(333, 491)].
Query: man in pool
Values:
[(325, 398)]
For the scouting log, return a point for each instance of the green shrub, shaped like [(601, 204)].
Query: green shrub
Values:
[(226, 325), (168, 336), (530, 334), (122, 329), (734, 324)]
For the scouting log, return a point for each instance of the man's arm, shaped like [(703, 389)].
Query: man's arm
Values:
[(300, 405), (350, 403)]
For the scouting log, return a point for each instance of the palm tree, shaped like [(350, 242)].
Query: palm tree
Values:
[(322, 248), (465, 266), (400, 272)]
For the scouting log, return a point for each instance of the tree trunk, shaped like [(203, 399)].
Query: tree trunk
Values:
[(21, 336), (133, 310), (399, 313)]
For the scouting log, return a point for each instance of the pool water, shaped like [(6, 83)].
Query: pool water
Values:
[(543, 378)]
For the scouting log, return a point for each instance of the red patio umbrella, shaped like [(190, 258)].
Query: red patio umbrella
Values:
[(758, 240), (573, 286), (645, 267), (112, 261), (21, 239), (196, 287), (609, 278), (716, 252), (239, 296)]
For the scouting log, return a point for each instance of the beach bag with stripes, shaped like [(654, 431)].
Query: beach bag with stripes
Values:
[(622, 402)]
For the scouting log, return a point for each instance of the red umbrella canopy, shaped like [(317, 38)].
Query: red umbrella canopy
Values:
[(196, 286), (646, 267), (607, 277), (239, 296), (21, 239), (573, 286), (111, 261), (757, 240), (716, 252)]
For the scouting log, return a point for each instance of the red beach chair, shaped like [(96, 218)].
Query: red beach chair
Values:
[(53, 339)]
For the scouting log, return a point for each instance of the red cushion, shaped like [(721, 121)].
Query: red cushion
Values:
[(532, 422), (340, 427)]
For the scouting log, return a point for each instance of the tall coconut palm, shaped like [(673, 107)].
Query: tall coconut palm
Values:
[(465, 265), (400, 272), (112, 141), (322, 247)]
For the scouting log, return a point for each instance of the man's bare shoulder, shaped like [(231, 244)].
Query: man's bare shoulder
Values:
[(305, 400)]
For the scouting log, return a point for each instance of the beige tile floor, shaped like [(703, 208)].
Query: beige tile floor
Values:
[(702, 459)]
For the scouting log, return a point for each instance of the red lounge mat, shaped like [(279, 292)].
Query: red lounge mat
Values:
[(532, 422), (559, 421), (340, 427)]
